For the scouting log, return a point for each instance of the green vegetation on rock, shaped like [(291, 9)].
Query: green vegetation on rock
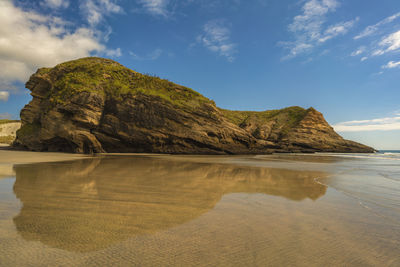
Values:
[(111, 79), (286, 118), (96, 105)]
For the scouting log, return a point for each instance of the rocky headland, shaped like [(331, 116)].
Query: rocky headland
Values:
[(95, 105)]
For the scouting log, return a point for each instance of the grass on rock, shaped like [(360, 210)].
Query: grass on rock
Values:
[(288, 118), (111, 79)]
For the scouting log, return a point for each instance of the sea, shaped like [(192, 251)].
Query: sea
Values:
[(381, 154), (372, 179)]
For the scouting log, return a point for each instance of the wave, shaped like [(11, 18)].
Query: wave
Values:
[(377, 196), (385, 155)]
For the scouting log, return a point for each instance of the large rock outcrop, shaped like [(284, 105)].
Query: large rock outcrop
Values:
[(94, 105)]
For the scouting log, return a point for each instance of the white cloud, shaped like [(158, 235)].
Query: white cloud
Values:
[(4, 95), (309, 30), (56, 3), (374, 28), (363, 59), (390, 43), (113, 52), (155, 7), (313, 17), (336, 30), (96, 10), (380, 124), (359, 51), (151, 56), (377, 52), (388, 40), (391, 65), (29, 40), (216, 38)]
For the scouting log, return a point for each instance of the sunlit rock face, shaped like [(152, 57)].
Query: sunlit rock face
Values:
[(8, 130), (95, 105), (90, 204)]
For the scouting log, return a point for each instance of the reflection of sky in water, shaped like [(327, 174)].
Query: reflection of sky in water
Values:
[(194, 211), (373, 182), (8, 203), (109, 199)]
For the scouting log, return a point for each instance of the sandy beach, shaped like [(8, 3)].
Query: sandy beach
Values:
[(147, 210), (8, 158)]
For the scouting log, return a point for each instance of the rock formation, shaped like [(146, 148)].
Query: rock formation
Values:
[(8, 129), (94, 105)]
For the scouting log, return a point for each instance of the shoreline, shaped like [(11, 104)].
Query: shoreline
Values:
[(289, 161), (320, 161), (4, 146), (207, 203)]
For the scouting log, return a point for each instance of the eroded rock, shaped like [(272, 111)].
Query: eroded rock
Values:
[(95, 105)]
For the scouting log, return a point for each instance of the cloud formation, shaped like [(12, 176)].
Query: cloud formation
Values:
[(113, 52), (56, 3), (151, 56), (368, 31), (4, 95), (337, 29), (384, 41), (29, 40), (389, 43), (359, 51), (381, 124), (391, 65), (168, 8), (309, 30), (155, 7), (95, 10), (216, 37)]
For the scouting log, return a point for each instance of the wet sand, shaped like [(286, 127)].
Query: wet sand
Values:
[(160, 210), (9, 158)]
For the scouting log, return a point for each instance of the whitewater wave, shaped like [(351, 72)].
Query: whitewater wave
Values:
[(378, 155)]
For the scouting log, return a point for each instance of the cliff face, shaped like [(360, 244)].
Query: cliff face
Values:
[(8, 129), (97, 105), (294, 129), (313, 132)]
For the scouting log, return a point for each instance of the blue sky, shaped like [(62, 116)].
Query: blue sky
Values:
[(341, 57)]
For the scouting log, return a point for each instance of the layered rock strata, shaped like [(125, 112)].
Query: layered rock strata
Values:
[(95, 105)]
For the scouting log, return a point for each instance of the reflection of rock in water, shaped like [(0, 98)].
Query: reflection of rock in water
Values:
[(87, 205)]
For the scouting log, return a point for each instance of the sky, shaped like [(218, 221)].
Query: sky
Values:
[(340, 57)]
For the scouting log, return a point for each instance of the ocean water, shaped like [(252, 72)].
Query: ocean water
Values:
[(383, 154), (372, 179), (162, 210)]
